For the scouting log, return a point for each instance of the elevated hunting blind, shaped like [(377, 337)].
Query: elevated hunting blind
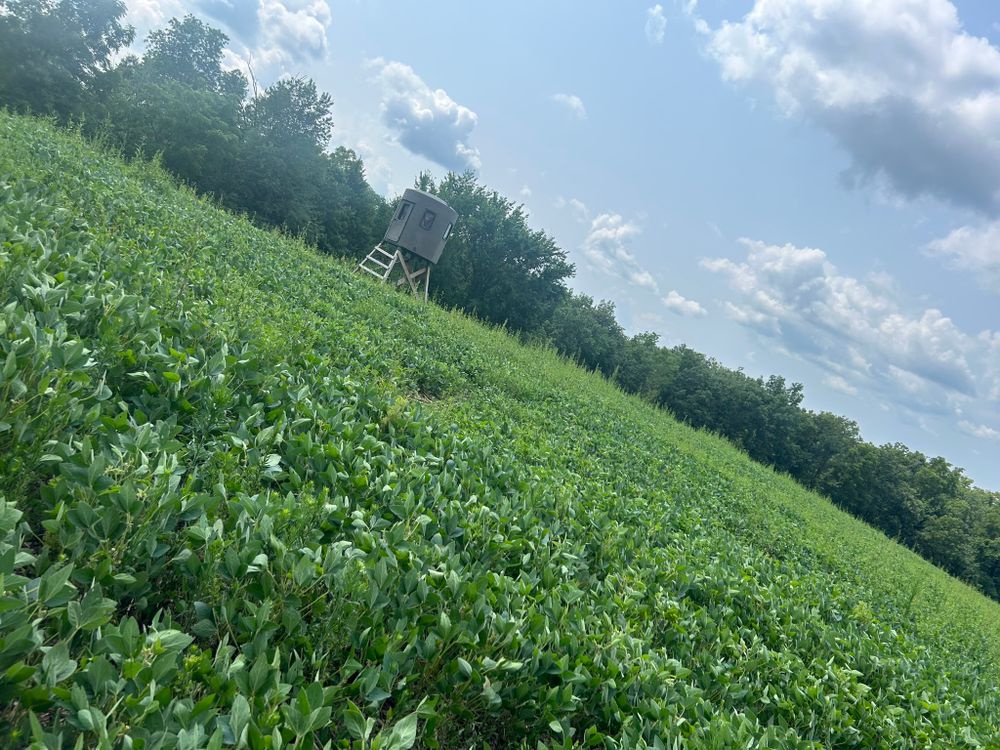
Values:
[(414, 241)]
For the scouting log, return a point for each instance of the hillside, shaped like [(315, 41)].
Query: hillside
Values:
[(253, 499)]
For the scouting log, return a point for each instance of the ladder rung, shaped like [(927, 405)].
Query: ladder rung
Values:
[(384, 269)]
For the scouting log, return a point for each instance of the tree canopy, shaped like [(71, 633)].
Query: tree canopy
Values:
[(496, 265), (52, 50)]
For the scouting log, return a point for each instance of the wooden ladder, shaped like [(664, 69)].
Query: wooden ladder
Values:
[(380, 262)]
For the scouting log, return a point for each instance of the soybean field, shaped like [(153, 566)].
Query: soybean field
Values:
[(251, 499)]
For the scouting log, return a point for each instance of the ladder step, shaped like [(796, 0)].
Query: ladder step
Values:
[(374, 265)]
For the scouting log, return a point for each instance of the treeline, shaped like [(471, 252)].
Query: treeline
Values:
[(262, 153), (923, 502), (265, 154)]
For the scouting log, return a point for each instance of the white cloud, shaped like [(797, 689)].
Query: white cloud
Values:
[(690, 9), (606, 241), (526, 191), (378, 172), (146, 15), (862, 333), (292, 31), (642, 278), (649, 319), (839, 383), (239, 17), (682, 305), (606, 248), (656, 24), (426, 121), (577, 206), (911, 97), (273, 36), (579, 209), (573, 103), (972, 249), (982, 431)]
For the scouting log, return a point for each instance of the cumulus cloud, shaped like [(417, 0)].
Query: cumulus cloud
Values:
[(973, 249), (606, 248), (656, 24), (911, 97), (860, 333), (146, 15), (577, 206), (982, 431), (605, 244), (682, 305), (378, 172), (292, 31), (643, 278), (839, 383), (690, 9), (573, 103), (426, 121), (272, 35), (238, 16)]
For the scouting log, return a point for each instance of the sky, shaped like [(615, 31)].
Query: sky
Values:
[(808, 188)]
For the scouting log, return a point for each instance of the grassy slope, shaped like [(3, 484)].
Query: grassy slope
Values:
[(680, 530)]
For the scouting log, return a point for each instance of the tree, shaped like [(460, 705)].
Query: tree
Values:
[(830, 436), (782, 425), (354, 216), (638, 368), (688, 394), (51, 51), (987, 538), (292, 111), (495, 265), (949, 541), (588, 333), (177, 101), (284, 171), (189, 51)]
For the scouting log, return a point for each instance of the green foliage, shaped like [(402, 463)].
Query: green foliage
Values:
[(292, 110), (496, 266), (286, 179), (52, 50), (189, 52), (192, 131), (268, 158), (230, 522), (265, 157), (588, 333)]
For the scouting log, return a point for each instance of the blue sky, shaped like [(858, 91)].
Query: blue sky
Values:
[(802, 187)]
